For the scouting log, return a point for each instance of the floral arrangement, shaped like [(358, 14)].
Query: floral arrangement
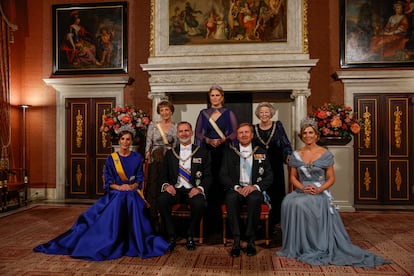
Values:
[(336, 120), (125, 118)]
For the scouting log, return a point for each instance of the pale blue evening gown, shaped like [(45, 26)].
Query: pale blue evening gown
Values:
[(312, 229)]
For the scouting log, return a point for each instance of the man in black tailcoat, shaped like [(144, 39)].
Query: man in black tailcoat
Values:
[(186, 178), (246, 174)]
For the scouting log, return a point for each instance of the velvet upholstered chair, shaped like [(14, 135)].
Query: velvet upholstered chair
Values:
[(264, 216)]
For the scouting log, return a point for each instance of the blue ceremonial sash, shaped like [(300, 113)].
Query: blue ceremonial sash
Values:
[(185, 174)]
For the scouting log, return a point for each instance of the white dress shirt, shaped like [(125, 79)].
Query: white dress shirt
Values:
[(185, 152), (246, 166)]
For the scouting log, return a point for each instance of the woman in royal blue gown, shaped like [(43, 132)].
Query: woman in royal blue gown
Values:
[(312, 229), (115, 225)]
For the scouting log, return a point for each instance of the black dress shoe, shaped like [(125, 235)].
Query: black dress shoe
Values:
[(235, 251), (251, 249), (172, 245), (190, 245)]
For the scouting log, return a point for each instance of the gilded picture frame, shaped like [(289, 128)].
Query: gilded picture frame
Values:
[(90, 38), (376, 33), (169, 39)]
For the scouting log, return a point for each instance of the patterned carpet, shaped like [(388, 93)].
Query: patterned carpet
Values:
[(389, 234)]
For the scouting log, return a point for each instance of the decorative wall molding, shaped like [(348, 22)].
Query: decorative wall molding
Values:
[(366, 81), (95, 87)]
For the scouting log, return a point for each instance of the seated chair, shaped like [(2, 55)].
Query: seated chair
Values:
[(177, 210), (264, 215), (17, 188), (184, 211)]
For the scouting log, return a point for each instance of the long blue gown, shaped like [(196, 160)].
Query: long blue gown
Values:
[(227, 123), (278, 147), (312, 229), (114, 226)]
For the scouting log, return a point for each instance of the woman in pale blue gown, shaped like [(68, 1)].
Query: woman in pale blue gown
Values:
[(116, 225), (312, 229)]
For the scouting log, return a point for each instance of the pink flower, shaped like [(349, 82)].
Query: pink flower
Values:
[(126, 119), (145, 120), (336, 120), (355, 128), (109, 121), (129, 116), (321, 114)]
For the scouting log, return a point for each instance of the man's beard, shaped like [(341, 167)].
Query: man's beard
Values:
[(185, 140)]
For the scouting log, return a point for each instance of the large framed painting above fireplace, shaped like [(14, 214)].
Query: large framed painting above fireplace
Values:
[(227, 27), (274, 61)]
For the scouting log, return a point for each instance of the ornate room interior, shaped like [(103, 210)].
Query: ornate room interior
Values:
[(305, 71), (54, 100)]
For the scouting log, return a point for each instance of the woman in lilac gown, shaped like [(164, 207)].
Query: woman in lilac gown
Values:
[(208, 136), (312, 229), (115, 225)]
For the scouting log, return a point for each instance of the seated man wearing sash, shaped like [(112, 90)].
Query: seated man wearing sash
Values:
[(186, 177), (246, 174)]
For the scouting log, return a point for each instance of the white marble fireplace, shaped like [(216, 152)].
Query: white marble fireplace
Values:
[(241, 74)]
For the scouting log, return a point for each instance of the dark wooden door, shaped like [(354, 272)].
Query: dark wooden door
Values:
[(383, 150), (87, 147)]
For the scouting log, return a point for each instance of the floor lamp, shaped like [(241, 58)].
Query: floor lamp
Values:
[(25, 176)]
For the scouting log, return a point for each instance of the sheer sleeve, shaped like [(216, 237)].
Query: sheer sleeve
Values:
[(232, 127), (227, 122), (199, 130), (150, 135), (174, 136)]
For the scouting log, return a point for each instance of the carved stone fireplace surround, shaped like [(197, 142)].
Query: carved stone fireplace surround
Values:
[(244, 73)]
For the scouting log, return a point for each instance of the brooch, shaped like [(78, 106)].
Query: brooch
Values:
[(261, 170)]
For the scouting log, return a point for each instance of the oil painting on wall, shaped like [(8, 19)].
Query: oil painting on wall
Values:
[(377, 33), (194, 22), (90, 38)]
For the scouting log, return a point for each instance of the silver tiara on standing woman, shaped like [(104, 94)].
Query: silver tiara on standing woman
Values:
[(308, 121)]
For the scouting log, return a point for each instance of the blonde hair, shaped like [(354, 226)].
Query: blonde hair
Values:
[(309, 122), (265, 104), (216, 87)]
